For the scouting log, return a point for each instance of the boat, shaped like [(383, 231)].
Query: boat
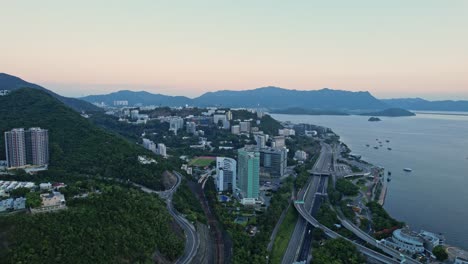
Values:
[(387, 141), (389, 173), (407, 169), (367, 145), (389, 148), (376, 147), (389, 179)]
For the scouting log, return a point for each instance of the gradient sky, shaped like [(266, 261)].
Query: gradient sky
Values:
[(397, 48)]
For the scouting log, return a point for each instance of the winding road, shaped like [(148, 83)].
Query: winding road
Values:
[(191, 236)]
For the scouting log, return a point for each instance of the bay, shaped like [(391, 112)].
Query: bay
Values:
[(434, 196)]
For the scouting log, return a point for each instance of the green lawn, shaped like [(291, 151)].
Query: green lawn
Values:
[(201, 162), (284, 234)]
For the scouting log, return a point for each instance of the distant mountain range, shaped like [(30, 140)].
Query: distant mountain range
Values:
[(425, 105), (324, 101), (266, 97), (11, 83), (142, 97)]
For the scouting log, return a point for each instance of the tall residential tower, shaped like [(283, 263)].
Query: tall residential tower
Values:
[(27, 147), (249, 173)]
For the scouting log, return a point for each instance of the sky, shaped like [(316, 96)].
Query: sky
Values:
[(395, 48)]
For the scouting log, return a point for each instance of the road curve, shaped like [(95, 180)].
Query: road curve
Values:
[(191, 236)]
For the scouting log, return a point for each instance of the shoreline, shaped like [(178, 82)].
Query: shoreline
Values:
[(381, 199)]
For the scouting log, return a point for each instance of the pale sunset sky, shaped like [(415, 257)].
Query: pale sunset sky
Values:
[(397, 48)]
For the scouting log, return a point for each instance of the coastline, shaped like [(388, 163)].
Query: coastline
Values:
[(381, 199)]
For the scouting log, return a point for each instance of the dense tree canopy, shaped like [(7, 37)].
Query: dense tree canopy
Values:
[(118, 225), (440, 253), (76, 145), (337, 251)]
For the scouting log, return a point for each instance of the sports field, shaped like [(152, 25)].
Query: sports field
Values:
[(202, 161)]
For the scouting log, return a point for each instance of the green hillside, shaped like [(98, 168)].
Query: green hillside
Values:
[(77, 147), (116, 225)]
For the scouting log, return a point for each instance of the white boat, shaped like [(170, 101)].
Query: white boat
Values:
[(408, 169)]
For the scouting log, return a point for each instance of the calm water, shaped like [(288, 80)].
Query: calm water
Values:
[(434, 196)]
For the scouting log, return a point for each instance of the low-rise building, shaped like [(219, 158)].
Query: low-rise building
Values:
[(45, 186), (279, 142), (431, 240), (460, 260), (235, 129), (4, 92), (286, 132), (52, 201), (406, 240), (13, 204), (245, 126), (300, 155)]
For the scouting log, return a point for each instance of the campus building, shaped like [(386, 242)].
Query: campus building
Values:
[(248, 173), (226, 172)]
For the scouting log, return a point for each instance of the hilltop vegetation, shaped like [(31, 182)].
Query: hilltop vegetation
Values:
[(11, 83), (114, 226), (77, 147)]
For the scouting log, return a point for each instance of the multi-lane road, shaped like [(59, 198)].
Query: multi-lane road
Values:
[(297, 249), (324, 166)]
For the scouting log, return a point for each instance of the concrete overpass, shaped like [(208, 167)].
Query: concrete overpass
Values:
[(397, 257)]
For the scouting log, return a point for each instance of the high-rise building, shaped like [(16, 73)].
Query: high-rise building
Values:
[(191, 127), (248, 173), (219, 117), (15, 147), (162, 149), (261, 140), (176, 123), (226, 169), (226, 124), (273, 162), (148, 144), (30, 147), (37, 146), (245, 126), (134, 114), (229, 115), (121, 103)]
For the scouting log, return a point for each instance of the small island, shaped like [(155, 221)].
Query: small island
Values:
[(374, 119), (391, 112)]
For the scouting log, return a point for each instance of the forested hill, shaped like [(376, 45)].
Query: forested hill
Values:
[(11, 83), (77, 147)]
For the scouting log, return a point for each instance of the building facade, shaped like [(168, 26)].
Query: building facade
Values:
[(235, 129), (226, 169), (405, 240), (273, 162), (245, 126), (248, 173), (191, 127), (162, 150), (27, 147), (37, 146), (15, 148)]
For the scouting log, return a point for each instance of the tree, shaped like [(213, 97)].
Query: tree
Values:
[(346, 187), (337, 251), (440, 253), (19, 192), (33, 199)]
